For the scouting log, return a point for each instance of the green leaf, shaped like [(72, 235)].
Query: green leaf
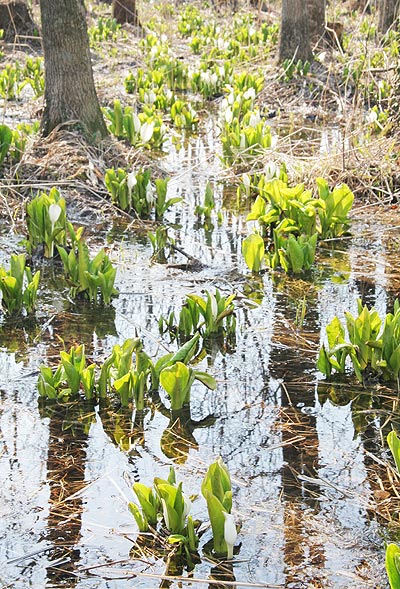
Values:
[(72, 375), (218, 482), (87, 378), (296, 256), (215, 509), (323, 363), (124, 386), (177, 380), (200, 302), (253, 250), (187, 351), (140, 518), (394, 445), (148, 502), (392, 565), (335, 332), (208, 380), (104, 378), (5, 141)]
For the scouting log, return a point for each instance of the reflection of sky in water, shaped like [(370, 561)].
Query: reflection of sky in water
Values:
[(250, 424)]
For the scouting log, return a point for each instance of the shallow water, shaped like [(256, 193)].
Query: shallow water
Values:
[(298, 453)]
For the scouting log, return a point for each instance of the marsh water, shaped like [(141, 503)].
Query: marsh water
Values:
[(304, 456)]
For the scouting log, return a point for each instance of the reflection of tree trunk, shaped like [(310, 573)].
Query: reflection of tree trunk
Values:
[(303, 555), (66, 475), (385, 500), (15, 20), (301, 455)]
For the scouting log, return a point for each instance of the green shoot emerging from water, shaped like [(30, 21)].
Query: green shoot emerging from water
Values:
[(134, 191), (392, 550), (166, 501), (291, 220), (92, 278), (211, 316), (46, 219), (71, 376), (370, 347), (160, 241), (177, 380), (217, 491), (18, 287)]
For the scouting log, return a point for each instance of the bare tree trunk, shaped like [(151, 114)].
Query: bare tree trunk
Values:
[(363, 5), (316, 19), (295, 36), (15, 20), (125, 11), (388, 12), (70, 94)]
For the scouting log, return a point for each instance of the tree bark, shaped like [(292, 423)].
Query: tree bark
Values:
[(70, 94), (388, 13), (316, 19), (295, 36), (124, 11), (15, 20)]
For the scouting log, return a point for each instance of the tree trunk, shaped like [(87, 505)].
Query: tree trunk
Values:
[(15, 20), (362, 5), (70, 94), (388, 12), (125, 11), (295, 37), (316, 19)]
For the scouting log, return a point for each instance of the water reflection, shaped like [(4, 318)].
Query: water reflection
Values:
[(83, 321), (69, 426), (17, 335), (373, 414), (178, 437), (304, 556), (222, 572), (124, 426), (277, 438)]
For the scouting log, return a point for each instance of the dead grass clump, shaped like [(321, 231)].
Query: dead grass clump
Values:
[(66, 160), (65, 155)]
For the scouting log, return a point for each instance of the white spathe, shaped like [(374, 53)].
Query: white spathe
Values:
[(131, 181), (54, 213), (149, 194), (230, 533), (250, 94), (187, 505), (165, 513), (136, 123), (274, 141), (254, 119), (228, 116), (146, 132)]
